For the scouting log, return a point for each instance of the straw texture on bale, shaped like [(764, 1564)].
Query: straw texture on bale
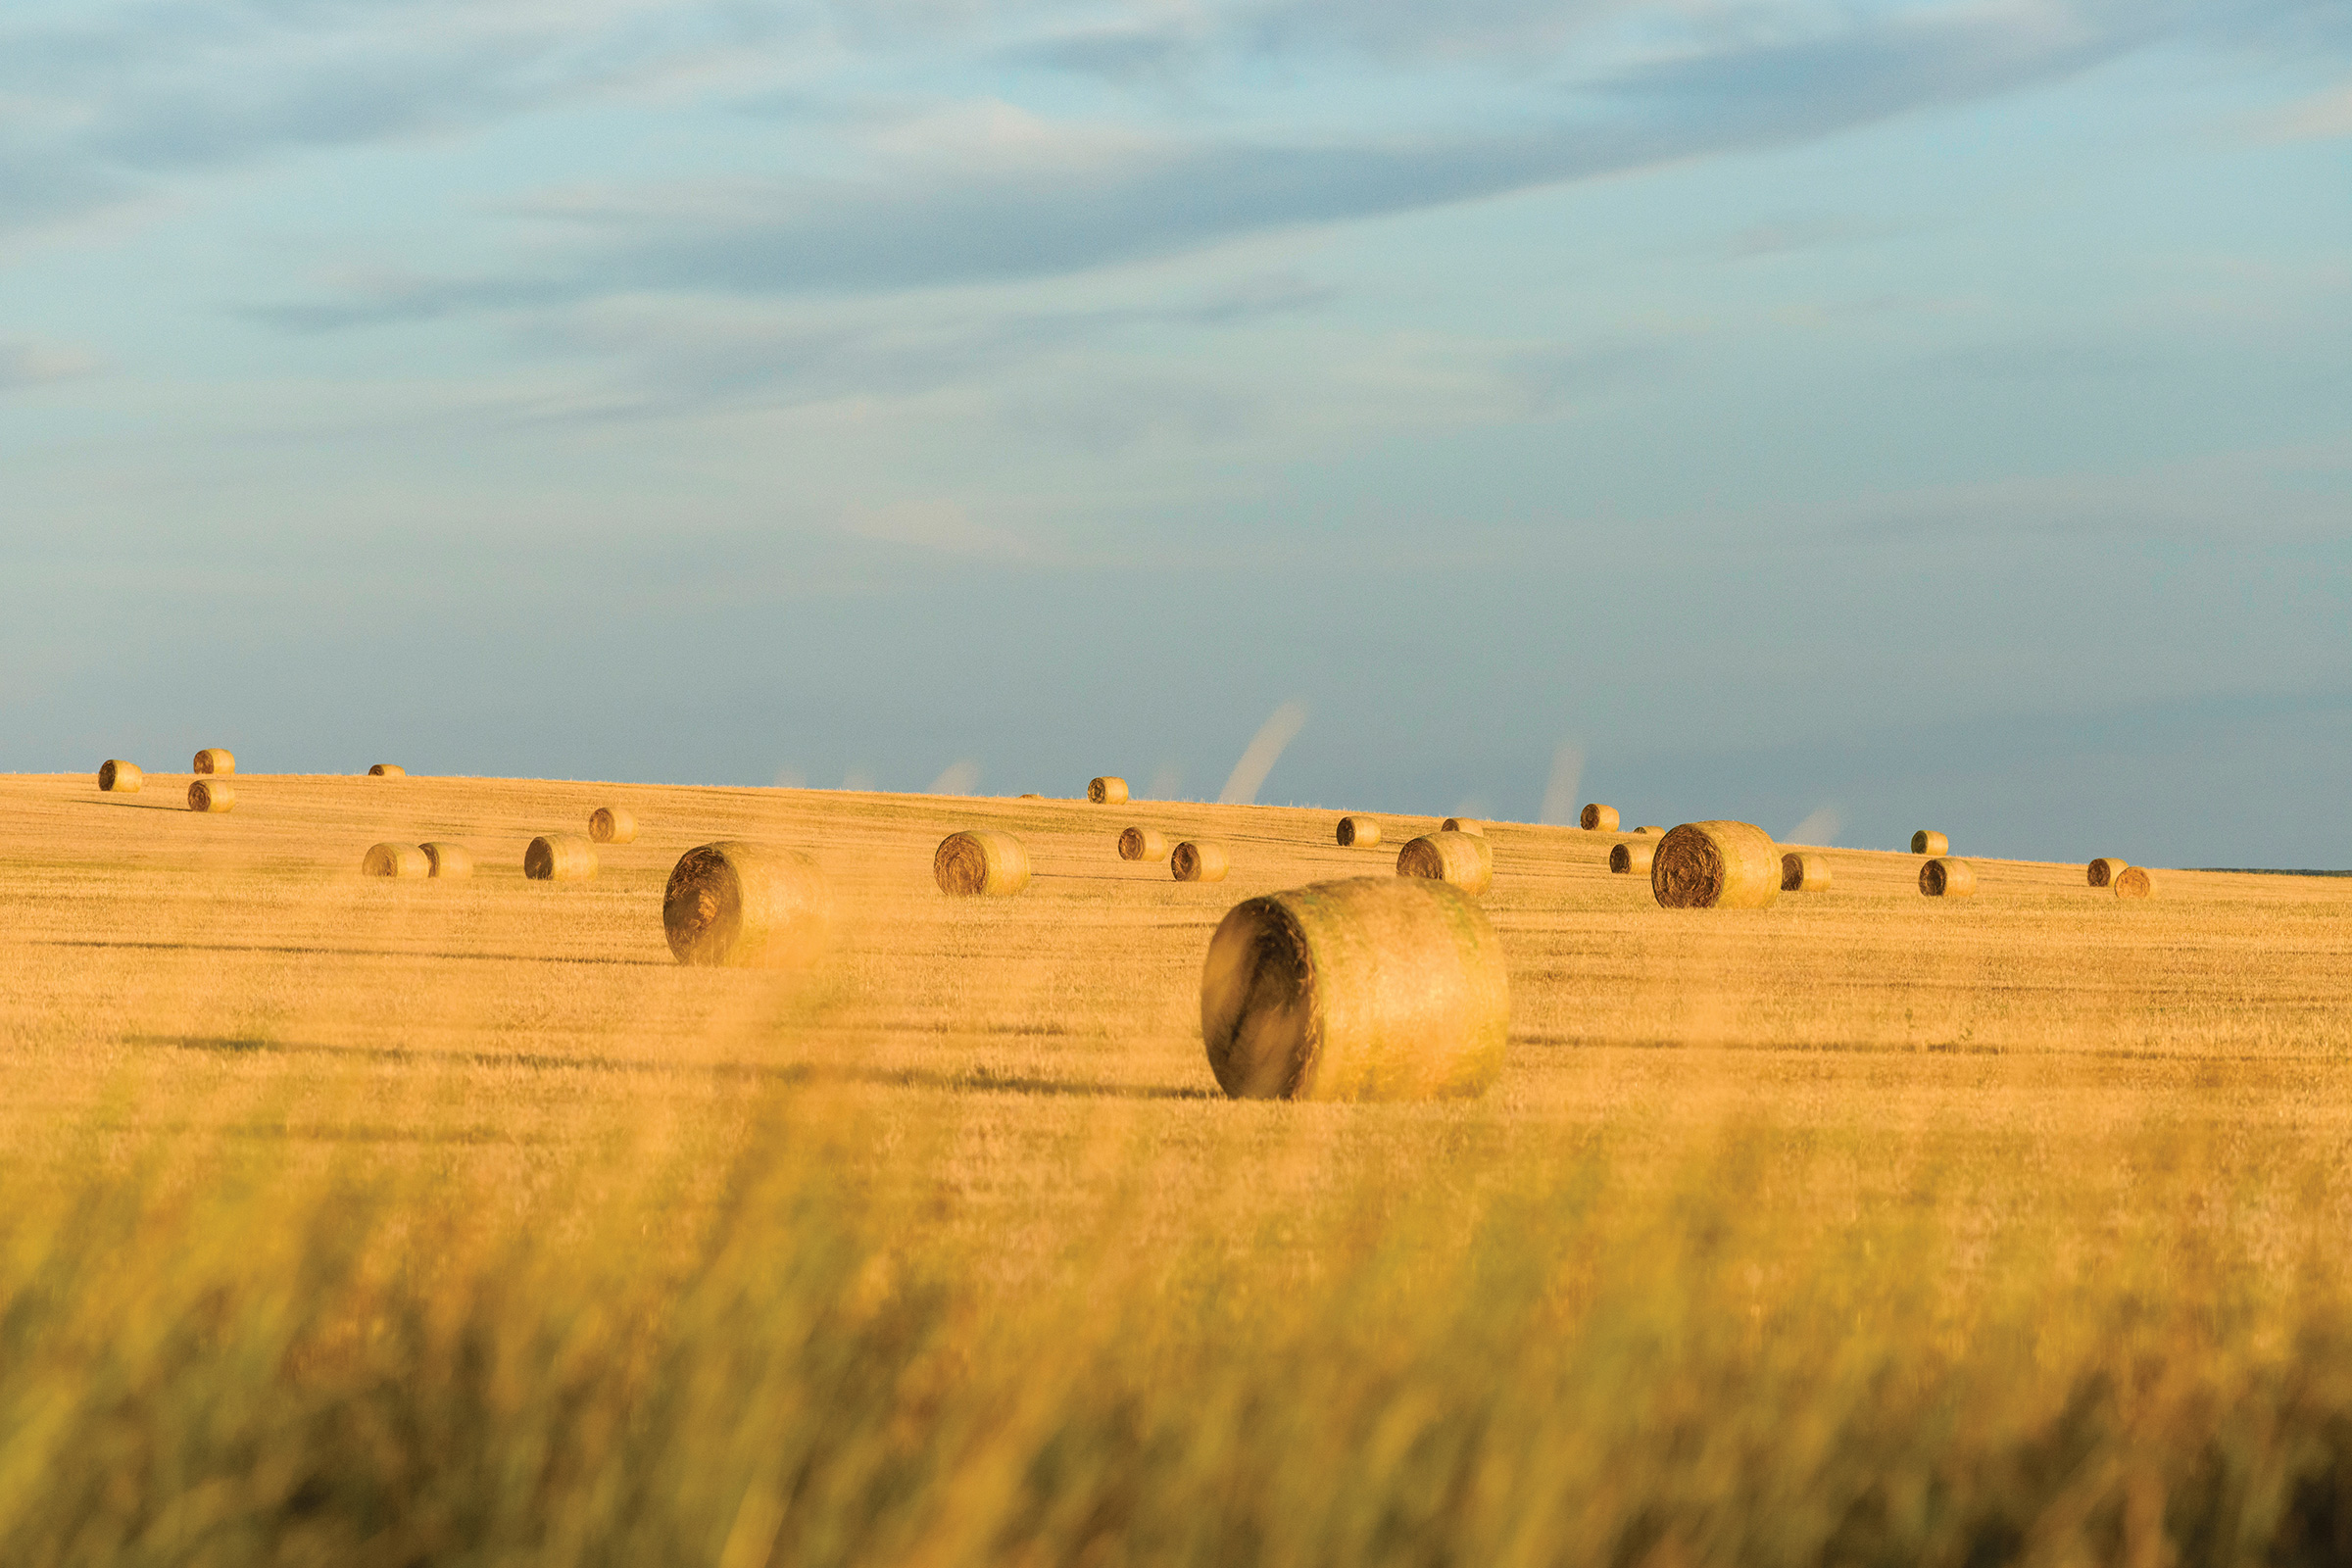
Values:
[(1716, 865), (1462, 824), (1142, 843), (123, 778), (2134, 882), (449, 860), (1632, 855), (746, 907), (559, 857), (1946, 877), (1374, 988), (1803, 873), (1360, 832), (1200, 860), (981, 864), (1463, 859), (610, 824), (1929, 842), (215, 760), (1106, 790), (387, 770), (211, 795), (1598, 818), (394, 860), (2104, 871)]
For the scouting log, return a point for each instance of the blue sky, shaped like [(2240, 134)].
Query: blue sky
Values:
[(1862, 415)]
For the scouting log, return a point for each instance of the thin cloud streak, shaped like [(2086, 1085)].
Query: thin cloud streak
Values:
[(1264, 751)]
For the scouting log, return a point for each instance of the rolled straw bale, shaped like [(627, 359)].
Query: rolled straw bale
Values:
[(1948, 877), (2102, 871), (1929, 842), (1360, 832), (610, 824), (1634, 854), (215, 760), (1462, 824), (1653, 832), (1374, 988), (1803, 873), (387, 770), (1106, 790), (981, 863), (2134, 882), (1142, 843), (123, 778), (1716, 865), (1598, 818), (1033, 796), (559, 857), (1463, 859), (747, 907), (1200, 860), (449, 860), (394, 860), (211, 795)]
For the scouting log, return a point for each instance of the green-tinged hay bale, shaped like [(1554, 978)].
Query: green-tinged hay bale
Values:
[(559, 857), (981, 864), (1462, 859), (1652, 831), (610, 824), (1374, 988), (746, 907), (394, 860), (387, 770), (1106, 790), (1201, 860), (1803, 873), (1946, 877), (1142, 843), (2104, 871), (215, 760), (1462, 824), (1598, 818), (449, 860), (120, 777), (2134, 882), (1716, 865), (1634, 854), (211, 795), (1929, 842), (1360, 832)]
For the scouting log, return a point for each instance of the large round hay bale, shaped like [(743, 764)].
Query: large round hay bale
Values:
[(212, 794), (1463, 824), (1598, 818), (559, 857), (1374, 988), (746, 907), (1946, 877), (1803, 873), (981, 864), (120, 777), (2134, 882), (1632, 855), (1716, 865), (1463, 859), (215, 760), (1106, 790), (1927, 841), (1201, 860), (449, 860), (387, 770), (610, 824), (2103, 870), (394, 860), (1360, 832), (1142, 843)]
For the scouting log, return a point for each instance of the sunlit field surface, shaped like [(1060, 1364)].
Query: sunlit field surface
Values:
[(360, 1221)]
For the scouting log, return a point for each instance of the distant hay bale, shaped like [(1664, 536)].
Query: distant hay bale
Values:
[(1803, 873), (1033, 796), (449, 860), (2134, 882), (746, 907), (1631, 857), (387, 770), (120, 777), (1716, 865), (1142, 843), (1462, 824), (1946, 877), (1360, 832), (394, 860), (2104, 871), (1462, 859), (1374, 988), (981, 864), (1106, 790), (1928, 842), (215, 760), (559, 857), (1598, 818), (1653, 832), (212, 794), (1201, 860), (610, 824)]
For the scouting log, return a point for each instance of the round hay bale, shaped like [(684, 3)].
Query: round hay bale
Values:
[(1106, 790), (1462, 824), (559, 857), (1142, 843), (1374, 988), (1803, 873), (610, 824), (1360, 832), (120, 777), (1929, 842), (449, 860), (215, 760), (1033, 796), (1653, 831), (746, 907), (211, 795), (1632, 855), (981, 864), (394, 860), (2104, 871), (1463, 859), (1201, 860), (1716, 865), (1598, 818), (387, 770), (2134, 882), (1946, 877)]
